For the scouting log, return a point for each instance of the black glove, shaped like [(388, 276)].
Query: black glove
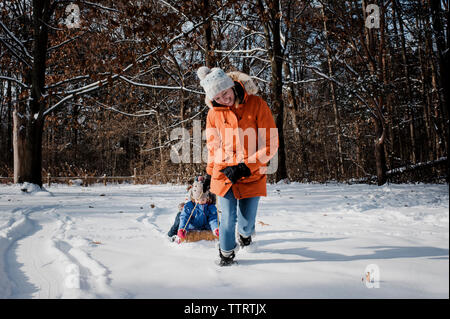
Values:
[(234, 173), (206, 183)]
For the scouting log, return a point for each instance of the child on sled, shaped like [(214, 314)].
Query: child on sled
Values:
[(200, 213)]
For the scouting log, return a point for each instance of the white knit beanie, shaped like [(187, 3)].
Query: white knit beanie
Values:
[(196, 192), (214, 81)]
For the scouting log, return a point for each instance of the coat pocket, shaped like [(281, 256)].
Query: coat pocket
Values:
[(217, 174), (252, 178)]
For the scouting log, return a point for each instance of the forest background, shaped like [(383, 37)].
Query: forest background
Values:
[(358, 89)]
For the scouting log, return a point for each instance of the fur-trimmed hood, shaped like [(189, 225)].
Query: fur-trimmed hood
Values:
[(249, 85)]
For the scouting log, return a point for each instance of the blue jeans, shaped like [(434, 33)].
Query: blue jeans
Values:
[(174, 229), (243, 211)]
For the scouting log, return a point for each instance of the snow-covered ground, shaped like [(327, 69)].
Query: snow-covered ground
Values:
[(312, 241)]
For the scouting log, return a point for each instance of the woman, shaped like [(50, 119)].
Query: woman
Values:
[(241, 138)]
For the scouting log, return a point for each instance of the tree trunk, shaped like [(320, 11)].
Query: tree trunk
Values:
[(359, 163), (337, 120), (443, 52), (377, 104), (9, 156), (436, 98), (425, 95), (380, 156), (278, 106), (272, 29), (27, 141), (28, 117), (409, 109), (293, 106), (380, 152), (161, 153)]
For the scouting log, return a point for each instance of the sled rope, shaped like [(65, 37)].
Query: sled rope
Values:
[(190, 217)]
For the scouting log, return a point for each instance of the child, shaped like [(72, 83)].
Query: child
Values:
[(174, 229), (199, 213)]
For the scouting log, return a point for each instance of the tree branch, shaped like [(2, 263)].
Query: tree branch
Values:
[(158, 86), (13, 37), (15, 81), (110, 108)]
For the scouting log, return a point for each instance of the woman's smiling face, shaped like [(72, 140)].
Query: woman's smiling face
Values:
[(226, 97)]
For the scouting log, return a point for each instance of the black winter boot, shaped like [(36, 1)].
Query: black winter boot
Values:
[(244, 241), (226, 261)]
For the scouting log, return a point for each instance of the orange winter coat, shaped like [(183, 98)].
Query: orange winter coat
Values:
[(245, 133)]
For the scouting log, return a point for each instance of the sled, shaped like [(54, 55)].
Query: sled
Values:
[(197, 235)]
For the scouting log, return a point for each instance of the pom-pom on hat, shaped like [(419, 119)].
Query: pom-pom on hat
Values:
[(214, 81)]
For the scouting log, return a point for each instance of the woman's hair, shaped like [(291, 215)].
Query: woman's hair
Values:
[(239, 94)]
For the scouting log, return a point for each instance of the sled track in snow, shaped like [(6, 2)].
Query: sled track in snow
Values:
[(82, 275), (40, 259), (150, 220), (33, 276), (15, 228)]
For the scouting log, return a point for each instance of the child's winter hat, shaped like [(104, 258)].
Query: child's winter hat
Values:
[(196, 192), (214, 81)]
